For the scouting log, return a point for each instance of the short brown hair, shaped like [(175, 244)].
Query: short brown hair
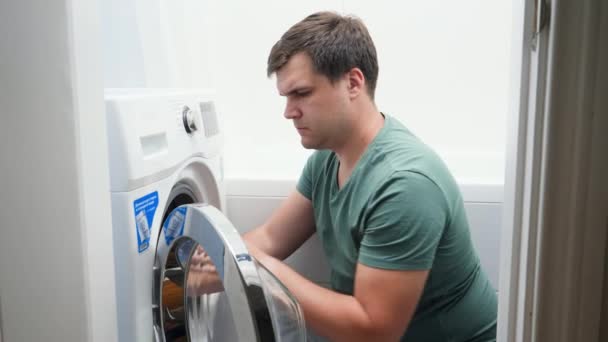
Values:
[(335, 43)]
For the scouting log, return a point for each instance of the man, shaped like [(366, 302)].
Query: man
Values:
[(387, 211)]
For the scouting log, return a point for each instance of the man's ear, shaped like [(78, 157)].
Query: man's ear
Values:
[(356, 82)]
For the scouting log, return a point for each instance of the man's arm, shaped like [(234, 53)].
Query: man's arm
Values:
[(286, 229), (381, 308)]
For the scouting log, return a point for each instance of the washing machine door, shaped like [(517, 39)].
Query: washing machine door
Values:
[(208, 288)]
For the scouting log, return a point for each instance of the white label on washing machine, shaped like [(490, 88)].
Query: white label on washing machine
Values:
[(174, 224), (144, 209)]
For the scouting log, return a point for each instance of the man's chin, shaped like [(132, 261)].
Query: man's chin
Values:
[(309, 145)]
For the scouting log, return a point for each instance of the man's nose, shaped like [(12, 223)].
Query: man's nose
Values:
[(291, 111)]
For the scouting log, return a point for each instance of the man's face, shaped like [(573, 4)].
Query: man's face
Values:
[(316, 106)]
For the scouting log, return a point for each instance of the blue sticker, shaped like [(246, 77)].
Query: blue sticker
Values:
[(144, 209), (174, 224)]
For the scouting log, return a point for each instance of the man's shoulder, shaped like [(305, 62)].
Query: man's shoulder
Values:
[(407, 156)]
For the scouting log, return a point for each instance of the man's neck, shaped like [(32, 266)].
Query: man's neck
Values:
[(365, 128)]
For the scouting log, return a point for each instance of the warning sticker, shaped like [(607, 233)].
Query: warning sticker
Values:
[(144, 209), (174, 224)]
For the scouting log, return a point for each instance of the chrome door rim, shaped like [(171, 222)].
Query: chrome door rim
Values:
[(208, 227)]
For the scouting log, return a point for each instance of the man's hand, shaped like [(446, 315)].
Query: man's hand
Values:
[(202, 275)]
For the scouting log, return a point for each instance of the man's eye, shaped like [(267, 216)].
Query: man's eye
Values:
[(303, 93)]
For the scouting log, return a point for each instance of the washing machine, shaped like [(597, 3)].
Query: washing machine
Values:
[(183, 272)]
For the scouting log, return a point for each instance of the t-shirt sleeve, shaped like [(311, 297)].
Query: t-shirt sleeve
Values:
[(405, 220), (305, 183)]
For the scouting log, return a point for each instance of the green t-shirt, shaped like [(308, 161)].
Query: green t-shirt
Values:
[(400, 209)]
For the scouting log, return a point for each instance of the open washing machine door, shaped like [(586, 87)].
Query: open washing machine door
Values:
[(208, 288)]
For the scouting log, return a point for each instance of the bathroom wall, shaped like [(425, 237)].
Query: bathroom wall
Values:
[(444, 70)]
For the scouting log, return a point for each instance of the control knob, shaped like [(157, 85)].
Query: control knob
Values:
[(188, 119)]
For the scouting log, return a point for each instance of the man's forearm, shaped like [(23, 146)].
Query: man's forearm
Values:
[(336, 316), (257, 237)]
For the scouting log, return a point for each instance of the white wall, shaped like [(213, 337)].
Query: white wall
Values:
[(156, 43), (56, 269), (444, 70)]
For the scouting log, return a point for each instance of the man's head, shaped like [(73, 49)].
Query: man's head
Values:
[(335, 44), (326, 68)]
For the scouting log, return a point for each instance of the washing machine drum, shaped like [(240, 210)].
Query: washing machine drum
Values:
[(208, 288)]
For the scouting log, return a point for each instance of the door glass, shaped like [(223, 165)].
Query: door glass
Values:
[(286, 313), (195, 306)]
